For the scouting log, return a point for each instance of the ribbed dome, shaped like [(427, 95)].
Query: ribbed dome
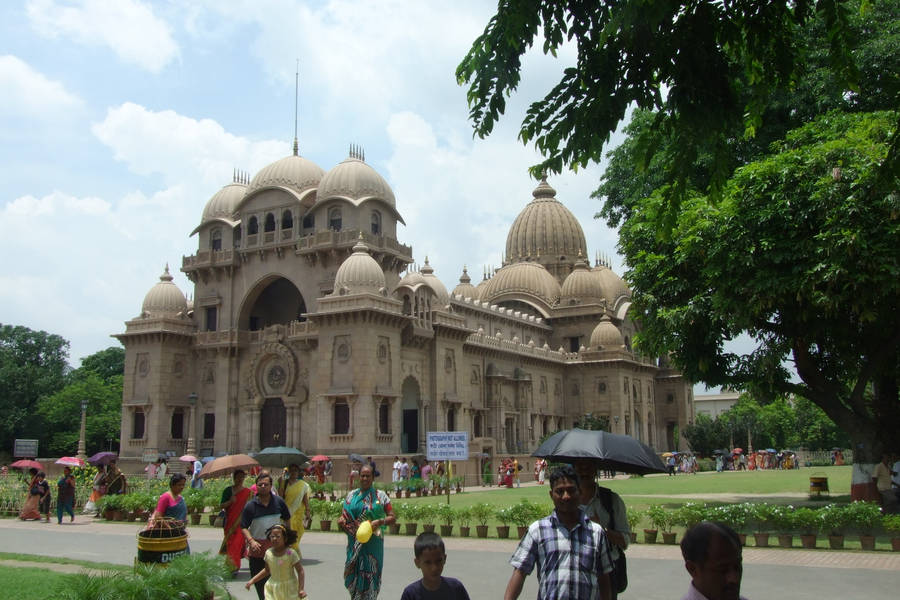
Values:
[(465, 287), (606, 336), (224, 202), (164, 299), (412, 279), (613, 286), (524, 277), (292, 172), (355, 180), (582, 285), (359, 273), (435, 284), (545, 228)]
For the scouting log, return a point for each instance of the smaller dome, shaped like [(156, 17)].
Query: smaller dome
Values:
[(526, 278), (582, 286), (412, 279), (465, 287), (164, 299), (223, 203), (355, 180), (359, 273), (606, 336), (293, 172), (613, 286), (435, 284)]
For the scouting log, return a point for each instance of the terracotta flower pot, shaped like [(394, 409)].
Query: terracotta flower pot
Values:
[(411, 528), (428, 527), (325, 525), (761, 539), (669, 537), (212, 518), (464, 531), (650, 536), (867, 542), (394, 528), (522, 531), (785, 540), (446, 530), (503, 531), (743, 538), (835, 542), (633, 535), (895, 544), (481, 531), (808, 540)]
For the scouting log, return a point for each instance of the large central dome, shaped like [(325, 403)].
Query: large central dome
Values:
[(545, 231)]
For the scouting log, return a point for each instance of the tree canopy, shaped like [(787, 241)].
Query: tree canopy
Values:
[(784, 169)]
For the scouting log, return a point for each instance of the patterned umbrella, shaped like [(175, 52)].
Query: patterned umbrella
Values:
[(70, 461)]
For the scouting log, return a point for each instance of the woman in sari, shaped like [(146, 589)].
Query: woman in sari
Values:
[(30, 510), (362, 571), (295, 492), (234, 498)]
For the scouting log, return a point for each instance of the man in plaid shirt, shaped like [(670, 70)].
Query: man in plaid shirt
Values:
[(570, 550)]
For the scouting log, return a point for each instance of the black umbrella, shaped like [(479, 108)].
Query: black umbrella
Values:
[(279, 456), (355, 458), (611, 451)]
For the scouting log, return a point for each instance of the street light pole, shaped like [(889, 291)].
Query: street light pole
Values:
[(192, 399), (81, 445)]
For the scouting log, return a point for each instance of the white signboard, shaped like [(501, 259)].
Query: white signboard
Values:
[(25, 448), (447, 445)]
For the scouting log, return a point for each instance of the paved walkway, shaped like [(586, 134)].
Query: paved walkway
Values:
[(656, 572)]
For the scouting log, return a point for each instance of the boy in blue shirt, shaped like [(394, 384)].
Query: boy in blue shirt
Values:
[(430, 559)]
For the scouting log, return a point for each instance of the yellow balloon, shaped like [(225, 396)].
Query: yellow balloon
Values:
[(364, 532)]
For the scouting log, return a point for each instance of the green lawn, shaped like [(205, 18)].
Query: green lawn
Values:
[(27, 583)]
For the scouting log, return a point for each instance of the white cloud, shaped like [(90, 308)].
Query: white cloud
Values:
[(181, 149), (28, 93), (128, 27)]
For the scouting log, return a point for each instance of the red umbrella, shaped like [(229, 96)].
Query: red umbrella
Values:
[(70, 461), (188, 458), (738, 450), (27, 463), (319, 458)]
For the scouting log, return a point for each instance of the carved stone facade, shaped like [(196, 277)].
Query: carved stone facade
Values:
[(309, 330)]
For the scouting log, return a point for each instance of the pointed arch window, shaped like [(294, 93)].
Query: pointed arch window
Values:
[(237, 236), (253, 226), (215, 239), (287, 219), (376, 222), (270, 222)]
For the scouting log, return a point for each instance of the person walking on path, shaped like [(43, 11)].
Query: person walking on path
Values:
[(98, 490), (605, 507), (295, 492), (283, 574), (365, 560), (569, 550), (261, 513), (115, 480), (712, 556), (65, 496), (234, 498)]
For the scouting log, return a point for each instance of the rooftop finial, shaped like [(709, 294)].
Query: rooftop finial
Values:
[(296, 108)]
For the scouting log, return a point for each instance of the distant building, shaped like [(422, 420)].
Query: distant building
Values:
[(714, 405), (309, 328)]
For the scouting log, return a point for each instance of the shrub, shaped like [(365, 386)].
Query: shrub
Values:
[(658, 517), (318, 508), (634, 517), (464, 516), (334, 509), (505, 515), (891, 523), (764, 516), (482, 512), (834, 519), (735, 516), (864, 517), (445, 513), (806, 521), (691, 513)]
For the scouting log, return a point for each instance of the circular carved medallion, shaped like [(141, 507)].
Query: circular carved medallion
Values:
[(276, 376)]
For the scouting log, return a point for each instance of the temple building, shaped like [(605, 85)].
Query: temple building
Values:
[(309, 327)]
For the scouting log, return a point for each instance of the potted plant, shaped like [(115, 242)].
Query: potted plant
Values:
[(691, 513), (428, 515), (657, 516), (457, 482), (482, 512), (328, 488), (522, 515), (412, 512), (666, 527), (446, 514), (834, 519), (891, 524), (634, 517), (464, 517), (783, 520), (735, 516), (807, 522), (418, 486), (505, 516), (394, 528), (864, 517), (195, 502), (763, 518)]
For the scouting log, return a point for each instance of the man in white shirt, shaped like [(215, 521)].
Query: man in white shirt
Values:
[(712, 555), (395, 470)]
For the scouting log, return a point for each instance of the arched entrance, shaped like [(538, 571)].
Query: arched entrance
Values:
[(272, 425), (272, 302), (409, 410)]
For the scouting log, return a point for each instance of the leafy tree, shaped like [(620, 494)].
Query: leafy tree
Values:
[(814, 430), (707, 68), (706, 434), (32, 365), (593, 422), (106, 364), (61, 415)]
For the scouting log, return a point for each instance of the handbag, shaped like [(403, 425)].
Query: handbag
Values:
[(618, 578)]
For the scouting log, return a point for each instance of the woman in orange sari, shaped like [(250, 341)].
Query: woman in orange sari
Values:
[(30, 510), (233, 500)]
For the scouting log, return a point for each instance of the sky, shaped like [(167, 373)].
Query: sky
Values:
[(119, 120)]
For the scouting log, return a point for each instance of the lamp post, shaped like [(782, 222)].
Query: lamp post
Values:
[(192, 399), (81, 446)]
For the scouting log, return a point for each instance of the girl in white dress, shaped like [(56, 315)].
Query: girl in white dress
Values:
[(283, 568)]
